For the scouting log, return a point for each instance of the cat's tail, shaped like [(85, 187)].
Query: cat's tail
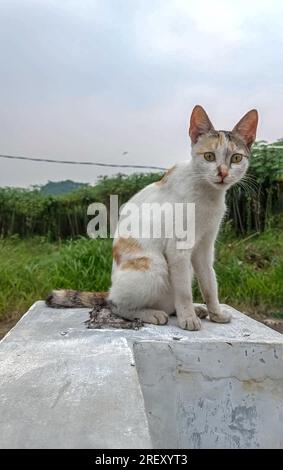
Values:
[(67, 298)]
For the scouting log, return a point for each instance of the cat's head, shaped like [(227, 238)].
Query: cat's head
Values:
[(221, 158)]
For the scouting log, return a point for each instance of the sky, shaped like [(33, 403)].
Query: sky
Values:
[(115, 80)]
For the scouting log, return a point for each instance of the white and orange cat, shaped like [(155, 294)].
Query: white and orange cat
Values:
[(151, 277)]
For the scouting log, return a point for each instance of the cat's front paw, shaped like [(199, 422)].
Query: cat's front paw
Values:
[(220, 317), (191, 323)]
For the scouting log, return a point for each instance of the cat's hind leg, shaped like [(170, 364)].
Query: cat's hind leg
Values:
[(146, 315), (138, 284), (201, 311)]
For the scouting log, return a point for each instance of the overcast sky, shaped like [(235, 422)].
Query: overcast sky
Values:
[(91, 79)]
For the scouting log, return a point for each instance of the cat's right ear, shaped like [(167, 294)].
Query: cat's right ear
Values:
[(199, 123)]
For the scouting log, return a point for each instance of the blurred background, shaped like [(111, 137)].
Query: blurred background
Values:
[(114, 82)]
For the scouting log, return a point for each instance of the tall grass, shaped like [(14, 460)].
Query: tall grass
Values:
[(249, 272), (30, 268)]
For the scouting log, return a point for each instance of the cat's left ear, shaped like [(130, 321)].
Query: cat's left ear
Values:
[(246, 127)]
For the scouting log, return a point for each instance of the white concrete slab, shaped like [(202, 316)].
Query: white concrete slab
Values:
[(68, 391), (65, 386)]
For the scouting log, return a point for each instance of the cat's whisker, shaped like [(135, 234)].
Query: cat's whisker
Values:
[(250, 184), (246, 189)]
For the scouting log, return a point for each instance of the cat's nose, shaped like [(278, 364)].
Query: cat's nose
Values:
[(223, 171)]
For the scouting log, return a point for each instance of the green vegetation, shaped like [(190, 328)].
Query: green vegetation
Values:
[(59, 187), (250, 271), (253, 201), (30, 268), (42, 245), (28, 213)]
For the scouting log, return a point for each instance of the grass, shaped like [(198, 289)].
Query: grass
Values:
[(249, 271), (30, 268)]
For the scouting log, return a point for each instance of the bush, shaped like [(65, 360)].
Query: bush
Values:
[(254, 201), (251, 204)]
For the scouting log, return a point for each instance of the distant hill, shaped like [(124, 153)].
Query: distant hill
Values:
[(60, 187)]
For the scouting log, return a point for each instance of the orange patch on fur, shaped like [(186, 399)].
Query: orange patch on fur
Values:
[(211, 143), (92, 298), (124, 245), (165, 177), (137, 264), (207, 144), (233, 147), (221, 139)]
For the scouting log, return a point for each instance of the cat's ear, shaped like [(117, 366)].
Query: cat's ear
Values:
[(246, 127), (199, 123)]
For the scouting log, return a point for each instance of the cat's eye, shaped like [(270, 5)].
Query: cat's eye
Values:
[(236, 158), (209, 156)]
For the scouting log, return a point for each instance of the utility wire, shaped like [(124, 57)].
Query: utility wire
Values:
[(109, 165), (71, 162)]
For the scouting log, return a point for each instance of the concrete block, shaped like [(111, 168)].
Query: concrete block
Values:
[(63, 386)]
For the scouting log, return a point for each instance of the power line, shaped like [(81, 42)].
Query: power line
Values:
[(108, 165), (71, 162)]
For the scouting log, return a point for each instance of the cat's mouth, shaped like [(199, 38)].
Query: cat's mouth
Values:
[(221, 184)]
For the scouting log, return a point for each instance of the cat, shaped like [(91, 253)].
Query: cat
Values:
[(152, 278)]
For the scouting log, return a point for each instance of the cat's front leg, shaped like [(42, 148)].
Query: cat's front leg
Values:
[(202, 261), (181, 280)]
